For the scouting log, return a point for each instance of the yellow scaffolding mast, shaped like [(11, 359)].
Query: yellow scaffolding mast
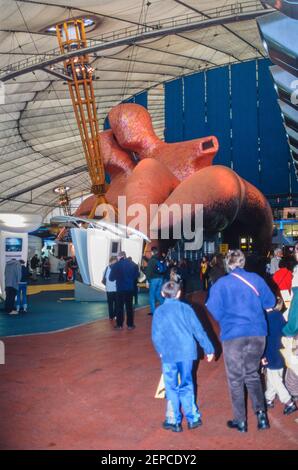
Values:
[(71, 36)]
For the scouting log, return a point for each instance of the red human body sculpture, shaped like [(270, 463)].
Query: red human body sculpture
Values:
[(149, 171)]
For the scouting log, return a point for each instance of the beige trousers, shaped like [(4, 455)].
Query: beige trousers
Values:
[(275, 386)]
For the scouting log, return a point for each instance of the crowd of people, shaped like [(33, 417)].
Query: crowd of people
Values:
[(252, 315), (256, 309), (16, 280), (17, 275), (67, 268), (253, 320), (121, 278)]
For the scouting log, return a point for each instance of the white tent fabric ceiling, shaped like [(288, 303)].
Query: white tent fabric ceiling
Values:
[(40, 145)]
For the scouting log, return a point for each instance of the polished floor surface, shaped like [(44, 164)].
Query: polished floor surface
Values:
[(92, 387), (51, 307)]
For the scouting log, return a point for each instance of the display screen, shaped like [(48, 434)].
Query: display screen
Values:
[(13, 244), (115, 247)]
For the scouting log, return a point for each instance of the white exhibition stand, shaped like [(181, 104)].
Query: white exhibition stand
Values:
[(94, 247), (12, 246), (14, 229)]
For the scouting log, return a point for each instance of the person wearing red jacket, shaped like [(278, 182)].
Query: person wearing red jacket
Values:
[(283, 276)]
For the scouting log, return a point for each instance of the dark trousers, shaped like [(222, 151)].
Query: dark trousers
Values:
[(242, 361), (136, 293), (61, 275), (112, 297), (125, 299), (11, 293), (205, 279)]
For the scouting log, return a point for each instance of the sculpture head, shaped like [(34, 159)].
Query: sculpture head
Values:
[(132, 127)]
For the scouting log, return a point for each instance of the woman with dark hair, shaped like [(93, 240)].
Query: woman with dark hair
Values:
[(217, 268), (283, 277), (237, 301)]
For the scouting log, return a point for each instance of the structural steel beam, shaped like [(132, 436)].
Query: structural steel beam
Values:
[(54, 56), (53, 179), (57, 74)]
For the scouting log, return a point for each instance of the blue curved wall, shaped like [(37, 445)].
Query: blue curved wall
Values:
[(237, 104)]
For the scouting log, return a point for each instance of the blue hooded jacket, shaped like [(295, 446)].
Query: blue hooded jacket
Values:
[(237, 308), (175, 327)]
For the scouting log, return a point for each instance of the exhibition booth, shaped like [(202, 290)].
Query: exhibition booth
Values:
[(93, 248), (14, 229)]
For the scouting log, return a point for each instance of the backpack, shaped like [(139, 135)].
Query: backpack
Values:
[(161, 267)]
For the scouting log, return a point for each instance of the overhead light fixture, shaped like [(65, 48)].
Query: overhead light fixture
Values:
[(51, 29), (61, 189), (90, 23), (19, 223), (63, 198), (13, 219)]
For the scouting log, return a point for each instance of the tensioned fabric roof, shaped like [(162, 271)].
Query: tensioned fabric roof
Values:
[(143, 44)]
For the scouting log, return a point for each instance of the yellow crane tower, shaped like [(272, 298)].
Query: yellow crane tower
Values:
[(71, 36)]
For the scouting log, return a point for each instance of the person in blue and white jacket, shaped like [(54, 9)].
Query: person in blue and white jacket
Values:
[(175, 328)]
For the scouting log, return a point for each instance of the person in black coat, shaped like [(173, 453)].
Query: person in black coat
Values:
[(125, 272), (22, 289)]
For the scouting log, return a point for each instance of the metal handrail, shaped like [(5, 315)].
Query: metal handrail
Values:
[(128, 32)]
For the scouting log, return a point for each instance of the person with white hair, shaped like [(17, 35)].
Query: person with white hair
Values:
[(274, 263), (237, 302)]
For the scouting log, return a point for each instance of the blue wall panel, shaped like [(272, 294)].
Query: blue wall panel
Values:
[(255, 116), (218, 112), (245, 121), (174, 111), (274, 150), (194, 106), (129, 100), (142, 99)]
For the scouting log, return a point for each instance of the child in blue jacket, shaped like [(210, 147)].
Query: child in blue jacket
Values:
[(274, 362), (175, 327)]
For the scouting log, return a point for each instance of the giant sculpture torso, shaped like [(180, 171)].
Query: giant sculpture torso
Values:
[(149, 171)]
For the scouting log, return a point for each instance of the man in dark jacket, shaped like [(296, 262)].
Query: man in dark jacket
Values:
[(125, 273), (155, 279), (22, 289), (13, 275), (34, 265)]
